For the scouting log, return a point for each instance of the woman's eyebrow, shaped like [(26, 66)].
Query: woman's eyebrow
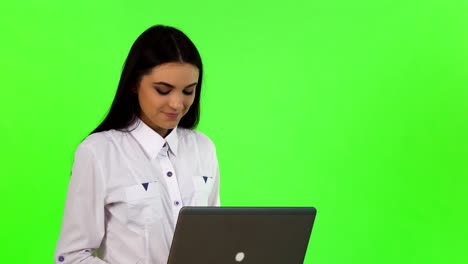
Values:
[(172, 86)]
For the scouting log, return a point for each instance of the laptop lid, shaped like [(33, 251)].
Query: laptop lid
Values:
[(244, 235)]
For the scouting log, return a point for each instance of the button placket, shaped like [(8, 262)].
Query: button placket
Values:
[(171, 181)]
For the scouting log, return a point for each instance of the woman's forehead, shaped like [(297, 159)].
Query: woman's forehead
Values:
[(175, 71)]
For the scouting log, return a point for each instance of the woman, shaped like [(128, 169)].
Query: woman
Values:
[(136, 170)]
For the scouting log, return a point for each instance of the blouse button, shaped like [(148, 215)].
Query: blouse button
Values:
[(169, 174), (61, 258), (176, 203)]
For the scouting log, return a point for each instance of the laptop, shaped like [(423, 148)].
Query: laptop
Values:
[(242, 235)]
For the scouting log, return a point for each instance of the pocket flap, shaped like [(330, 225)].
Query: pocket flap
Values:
[(142, 191), (203, 183)]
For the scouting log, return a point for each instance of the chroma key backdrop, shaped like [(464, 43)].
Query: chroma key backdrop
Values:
[(358, 108)]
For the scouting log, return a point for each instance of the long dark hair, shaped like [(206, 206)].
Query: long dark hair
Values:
[(156, 45)]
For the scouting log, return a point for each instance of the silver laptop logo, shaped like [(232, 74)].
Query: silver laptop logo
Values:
[(240, 256)]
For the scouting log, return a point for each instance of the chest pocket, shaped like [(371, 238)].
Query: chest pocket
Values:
[(144, 204), (203, 187)]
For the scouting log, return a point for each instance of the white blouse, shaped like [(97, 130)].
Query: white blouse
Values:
[(126, 191)]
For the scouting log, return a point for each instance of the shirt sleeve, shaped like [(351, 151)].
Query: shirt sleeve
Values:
[(83, 221), (214, 198)]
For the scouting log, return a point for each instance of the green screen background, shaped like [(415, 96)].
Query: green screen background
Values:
[(358, 108)]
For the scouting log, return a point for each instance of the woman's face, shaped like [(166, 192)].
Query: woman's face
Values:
[(166, 94)]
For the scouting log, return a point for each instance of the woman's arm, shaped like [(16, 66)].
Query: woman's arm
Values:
[(83, 221), (214, 199)]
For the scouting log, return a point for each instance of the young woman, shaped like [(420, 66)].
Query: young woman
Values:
[(136, 170)]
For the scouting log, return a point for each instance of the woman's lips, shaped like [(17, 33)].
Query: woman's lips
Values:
[(172, 115)]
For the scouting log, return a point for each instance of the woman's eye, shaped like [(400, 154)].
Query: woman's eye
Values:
[(188, 92), (161, 92)]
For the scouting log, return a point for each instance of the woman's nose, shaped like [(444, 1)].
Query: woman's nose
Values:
[(176, 102)]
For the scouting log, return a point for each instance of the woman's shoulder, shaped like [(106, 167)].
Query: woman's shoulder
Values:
[(99, 141), (195, 136), (96, 139)]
